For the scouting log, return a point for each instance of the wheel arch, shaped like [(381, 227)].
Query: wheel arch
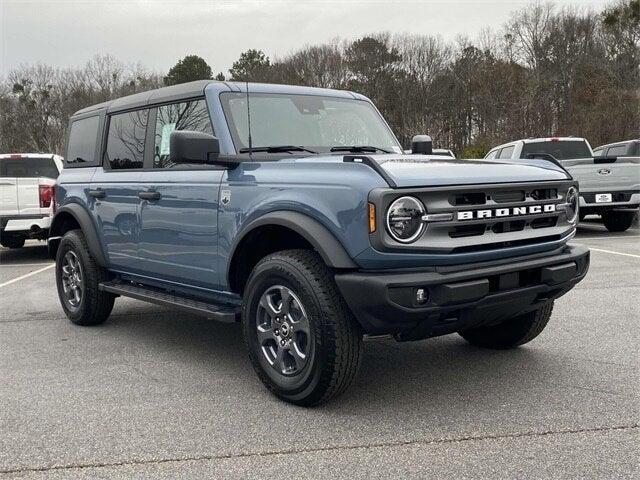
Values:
[(70, 217), (304, 232)]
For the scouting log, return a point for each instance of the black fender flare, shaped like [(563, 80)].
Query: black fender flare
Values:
[(314, 232), (82, 217)]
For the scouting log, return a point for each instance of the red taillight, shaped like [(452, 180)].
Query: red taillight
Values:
[(46, 195)]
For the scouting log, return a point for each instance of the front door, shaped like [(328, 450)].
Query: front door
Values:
[(179, 216)]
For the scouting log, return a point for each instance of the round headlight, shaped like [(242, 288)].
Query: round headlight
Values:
[(573, 199), (404, 219)]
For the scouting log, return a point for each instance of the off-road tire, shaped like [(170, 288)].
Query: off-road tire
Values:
[(512, 332), (617, 221), (95, 305), (12, 242), (336, 336)]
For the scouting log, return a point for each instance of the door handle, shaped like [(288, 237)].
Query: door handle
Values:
[(98, 193), (149, 195)]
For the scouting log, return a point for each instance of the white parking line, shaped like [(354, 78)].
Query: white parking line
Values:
[(604, 251), (30, 274), (18, 265)]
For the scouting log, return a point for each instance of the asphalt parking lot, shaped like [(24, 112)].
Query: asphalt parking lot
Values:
[(155, 393)]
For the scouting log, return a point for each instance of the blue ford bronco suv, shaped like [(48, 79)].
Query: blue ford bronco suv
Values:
[(295, 211)]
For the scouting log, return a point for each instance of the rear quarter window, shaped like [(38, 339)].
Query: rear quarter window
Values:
[(617, 151), (81, 149), (28, 167), (561, 150), (507, 152)]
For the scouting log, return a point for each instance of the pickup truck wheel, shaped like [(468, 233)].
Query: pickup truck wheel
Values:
[(77, 279), (302, 339), (617, 221), (12, 242), (512, 332)]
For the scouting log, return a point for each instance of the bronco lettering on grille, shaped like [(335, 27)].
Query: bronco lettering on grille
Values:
[(506, 212)]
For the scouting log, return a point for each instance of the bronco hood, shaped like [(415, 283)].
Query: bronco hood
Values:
[(419, 170)]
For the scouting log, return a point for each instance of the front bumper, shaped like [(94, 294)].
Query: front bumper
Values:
[(621, 200), (458, 297)]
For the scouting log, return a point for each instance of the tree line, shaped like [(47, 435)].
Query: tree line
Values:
[(546, 72)]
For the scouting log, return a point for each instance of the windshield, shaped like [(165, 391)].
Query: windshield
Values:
[(28, 167), (311, 121), (561, 150)]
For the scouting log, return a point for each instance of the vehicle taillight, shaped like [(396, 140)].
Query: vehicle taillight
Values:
[(46, 195)]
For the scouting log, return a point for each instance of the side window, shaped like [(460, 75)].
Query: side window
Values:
[(507, 152), (82, 141), (178, 116), (492, 154), (617, 151), (597, 152), (125, 142)]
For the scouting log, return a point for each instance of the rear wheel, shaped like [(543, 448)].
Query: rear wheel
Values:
[(12, 241), (302, 339), (77, 279), (617, 221), (512, 332)]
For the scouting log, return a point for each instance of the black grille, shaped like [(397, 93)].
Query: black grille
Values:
[(508, 196), (467, 231), (544, 193), (496, 245), (544, 222), (468, 198), (513, 226)]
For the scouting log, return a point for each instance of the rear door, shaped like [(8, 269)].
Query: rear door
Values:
[(179, 228), (115, 186)]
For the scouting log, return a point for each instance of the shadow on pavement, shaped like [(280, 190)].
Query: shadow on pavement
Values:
[(438, 371), (35, 252)]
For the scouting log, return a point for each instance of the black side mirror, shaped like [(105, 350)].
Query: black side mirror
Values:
[(187, 146), (422, 144)]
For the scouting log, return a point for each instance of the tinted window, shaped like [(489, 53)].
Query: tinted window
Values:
[(561, 150), (179, 116), (617, 151), (507, 152), (82, 141), (28, 167), (125, 143)]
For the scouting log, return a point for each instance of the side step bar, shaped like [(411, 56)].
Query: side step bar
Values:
[(223, 313)]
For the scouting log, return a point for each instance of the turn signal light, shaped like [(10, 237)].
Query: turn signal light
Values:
[(372, 218)]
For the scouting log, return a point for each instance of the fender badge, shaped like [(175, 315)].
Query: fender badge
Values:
[(225, 197), (604, 171)]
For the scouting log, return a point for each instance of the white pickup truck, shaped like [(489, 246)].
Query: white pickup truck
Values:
[(27, 183), (609, 186)]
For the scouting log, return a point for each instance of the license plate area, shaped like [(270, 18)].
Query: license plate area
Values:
[(603, 198)]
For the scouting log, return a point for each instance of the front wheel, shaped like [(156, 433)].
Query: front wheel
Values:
[(512, 332), (617, 221), (303, 341), (77, 279)]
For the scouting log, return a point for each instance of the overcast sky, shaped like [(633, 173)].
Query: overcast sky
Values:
[(157, 33)]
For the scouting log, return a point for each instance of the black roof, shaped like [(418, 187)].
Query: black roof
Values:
[(159, 95)]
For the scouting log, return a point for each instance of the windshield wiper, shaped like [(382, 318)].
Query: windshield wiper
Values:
[(358, 149), (276, 149)]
